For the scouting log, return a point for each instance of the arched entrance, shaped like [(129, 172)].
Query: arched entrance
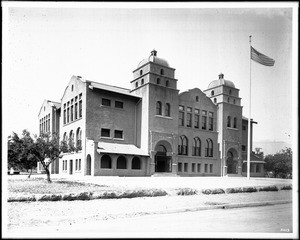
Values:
[(163, 162), (232, 161), (88, 164)]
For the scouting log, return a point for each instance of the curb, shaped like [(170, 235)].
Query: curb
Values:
[(223, 206)]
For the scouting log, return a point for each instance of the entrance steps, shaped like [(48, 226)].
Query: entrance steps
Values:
[(164, 174)]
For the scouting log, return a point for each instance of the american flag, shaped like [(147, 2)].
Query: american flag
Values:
[(261, 58)]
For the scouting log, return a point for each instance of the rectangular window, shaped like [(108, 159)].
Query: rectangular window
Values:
[(199, 167), (76, 164), (244, 128), (68, 115), (185, 167), (189, 120), (118, 134), (105, 102), (211, 121), (181, 118), (251, 168), (105, 132), (76, 111), (65, 116), (205, 168), (193, 167), (72, 113), (180, 167), (197, 117), (80, 108), (244, 148), (210, 168), (204, 117), (79, 164), (119, 104)]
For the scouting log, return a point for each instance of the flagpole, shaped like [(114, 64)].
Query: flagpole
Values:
[(249, 120)]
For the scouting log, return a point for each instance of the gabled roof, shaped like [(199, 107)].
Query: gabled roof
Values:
[(51, 103), (110, 88), (126, 149)]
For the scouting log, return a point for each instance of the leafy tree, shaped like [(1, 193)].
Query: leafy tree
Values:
[(19, 152), (258, 152), (47, 150), (280, 163)]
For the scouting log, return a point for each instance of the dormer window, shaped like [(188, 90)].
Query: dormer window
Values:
[(161, 71)]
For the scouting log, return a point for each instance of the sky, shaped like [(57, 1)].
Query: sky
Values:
[(45, 44)]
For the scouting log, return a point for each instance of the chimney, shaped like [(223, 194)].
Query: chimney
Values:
[(153, 52), (221, 76)]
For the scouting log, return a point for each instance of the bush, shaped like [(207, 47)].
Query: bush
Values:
[(233, 190), (268, 188), (186, 191), (213, 191), (49, 197), (286, 187), (249, 189)]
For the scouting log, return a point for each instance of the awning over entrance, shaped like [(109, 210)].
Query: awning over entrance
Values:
[(126, 149), (253, 158)]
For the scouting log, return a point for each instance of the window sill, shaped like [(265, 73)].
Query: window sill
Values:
[(165, 117), (109, 138), (230, 128), (119, 139)]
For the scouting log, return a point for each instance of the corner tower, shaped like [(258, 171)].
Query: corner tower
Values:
[(154, 81), (225, 95)]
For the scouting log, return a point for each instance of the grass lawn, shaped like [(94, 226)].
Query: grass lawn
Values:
[(41, 186)]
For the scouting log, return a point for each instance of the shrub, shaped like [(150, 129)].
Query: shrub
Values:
[(186, 191), (268, 188), (249, 189), (234, 190), (286, 187), (49, 197)]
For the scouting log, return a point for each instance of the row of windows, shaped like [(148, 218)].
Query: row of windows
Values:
[(45, 124), (107, 102), (158, 82), (77, 165), (73, 109), (229, 122), (213, 92), (161, 72), (106, 162), (183, 147), (228, 100), (105, 132), (159, 109), (78, 139), (193, 167), (189, 118)]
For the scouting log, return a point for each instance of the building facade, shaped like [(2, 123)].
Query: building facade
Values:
[(151, 128)]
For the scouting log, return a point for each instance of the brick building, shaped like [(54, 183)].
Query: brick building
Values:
[(152, 129)]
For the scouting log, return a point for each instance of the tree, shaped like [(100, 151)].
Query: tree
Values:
[(47, 150), (258, 152), (280, 163), (19, 152)]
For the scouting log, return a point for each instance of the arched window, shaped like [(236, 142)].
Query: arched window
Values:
[(183, 145), (233, 101), (228, 100), (212, 92), (65, 137), (158, 81), (168, 110), (215, 100), (136, 163), (167, 83), (136, 84), (197, 98), (78, 138), (197, 147), (209, 148), (71, 138), (228, 121), (141, 72), (234, 122), (161, 71), (121, 162), (229, 91), (105, 161), (161, 149), (158, 108), (142, 81)]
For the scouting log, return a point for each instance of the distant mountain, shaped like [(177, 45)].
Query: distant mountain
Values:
[(269, 147)]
